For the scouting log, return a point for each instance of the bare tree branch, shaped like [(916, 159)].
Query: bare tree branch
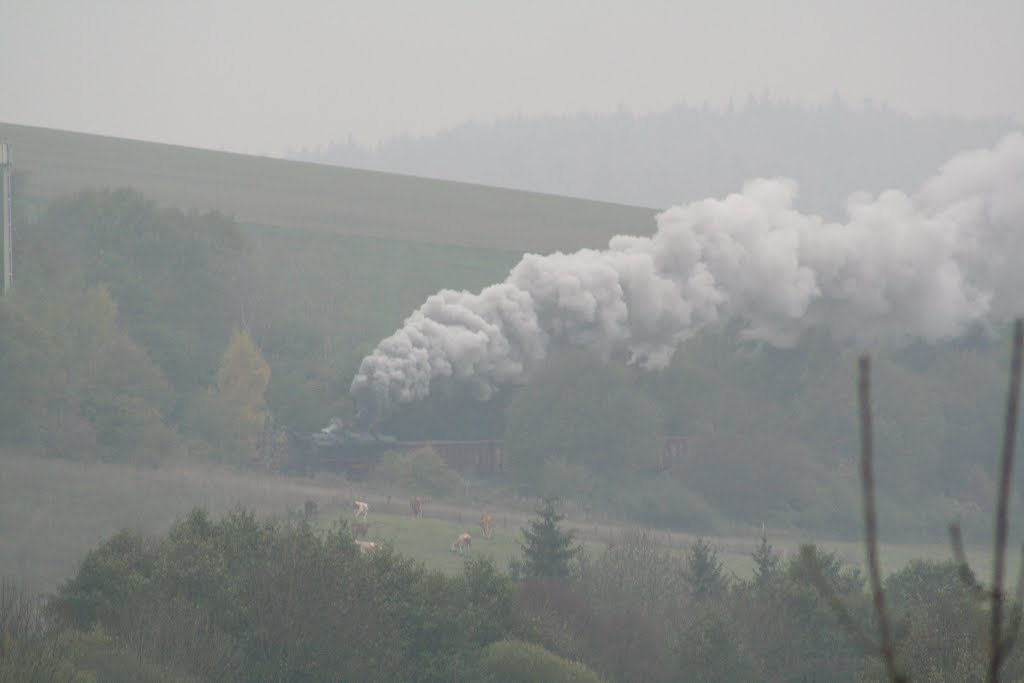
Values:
[(821, 583), (867, 480), (1013, 629), (996, 649), (956, 540)]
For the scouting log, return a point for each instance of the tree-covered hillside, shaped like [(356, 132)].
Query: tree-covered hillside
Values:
[(139, 333)]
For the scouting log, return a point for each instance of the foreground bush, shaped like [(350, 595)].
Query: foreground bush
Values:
[(243, 600), (517, 661), (30, 650)]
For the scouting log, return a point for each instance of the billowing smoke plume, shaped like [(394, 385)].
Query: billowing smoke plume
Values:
[(902, 268)]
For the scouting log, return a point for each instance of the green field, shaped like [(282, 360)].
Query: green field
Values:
[(53, 511), (429, 540), (337, 200)]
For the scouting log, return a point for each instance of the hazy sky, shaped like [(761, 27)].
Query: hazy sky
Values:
[(260, 77)]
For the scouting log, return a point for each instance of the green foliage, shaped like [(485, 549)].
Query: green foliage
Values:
[(560, 478), (169, 271), (29, 375), (703, 571), (711, 650), (241, 600), (943, 627), (232, 414), (113, 577), (661, 501), (634, 571), (31, 649), (89, 391), (105, 661), (420, 472), (922, 583), (547, 549), (516, 661), (766, 564), (585, 412), (816, 645)]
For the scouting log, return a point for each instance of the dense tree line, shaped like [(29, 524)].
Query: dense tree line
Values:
[(122, 340), (249, 600)]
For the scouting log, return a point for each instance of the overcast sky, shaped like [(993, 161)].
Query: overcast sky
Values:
[(259, 77)]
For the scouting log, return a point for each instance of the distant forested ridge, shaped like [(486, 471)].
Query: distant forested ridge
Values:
[(688, 152)]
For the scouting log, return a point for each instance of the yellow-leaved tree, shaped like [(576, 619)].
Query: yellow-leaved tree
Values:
[(233, 414)]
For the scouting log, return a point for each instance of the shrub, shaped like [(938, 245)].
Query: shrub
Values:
[(663, 502), (516, 661), (563, 479), (30, 650), (420, 471)]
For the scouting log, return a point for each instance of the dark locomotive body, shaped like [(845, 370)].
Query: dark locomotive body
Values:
[(354, 453), (337, 450)]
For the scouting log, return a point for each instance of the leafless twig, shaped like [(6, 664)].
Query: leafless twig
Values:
[(996, 649), (867, 480), (956, 540), (1013, 630), (885, 647), (821, 583)]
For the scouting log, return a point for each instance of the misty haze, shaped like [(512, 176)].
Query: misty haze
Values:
[(451, 343)]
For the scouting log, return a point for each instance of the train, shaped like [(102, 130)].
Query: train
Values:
[(354, 453)]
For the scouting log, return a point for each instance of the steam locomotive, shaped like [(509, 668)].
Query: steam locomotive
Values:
[(355, 453)]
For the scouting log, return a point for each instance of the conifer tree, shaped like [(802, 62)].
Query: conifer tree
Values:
[(766, 563), (703, 571), (547, 549)]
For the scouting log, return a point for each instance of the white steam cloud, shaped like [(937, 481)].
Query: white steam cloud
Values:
[(902, 268)]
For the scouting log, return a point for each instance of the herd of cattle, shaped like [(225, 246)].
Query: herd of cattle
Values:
[(360, 526)]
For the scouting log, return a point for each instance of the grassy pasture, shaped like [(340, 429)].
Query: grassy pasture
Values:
[(429, 539), (52, 512), (331, 199)]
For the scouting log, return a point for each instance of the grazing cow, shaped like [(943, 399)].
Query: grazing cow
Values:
[(416, 504), (367, 546), (310, 508), (360, 529), (487, 524), (361, 508), (462, 543)]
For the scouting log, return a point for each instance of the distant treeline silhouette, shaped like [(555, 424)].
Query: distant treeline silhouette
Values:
[(688, 152)]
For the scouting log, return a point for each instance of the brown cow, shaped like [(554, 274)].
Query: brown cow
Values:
[(487, 524), (462, 543), (416, 504), (360, 529)]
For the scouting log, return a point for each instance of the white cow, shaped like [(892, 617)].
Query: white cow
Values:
[(367, 546), (361, 509)]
